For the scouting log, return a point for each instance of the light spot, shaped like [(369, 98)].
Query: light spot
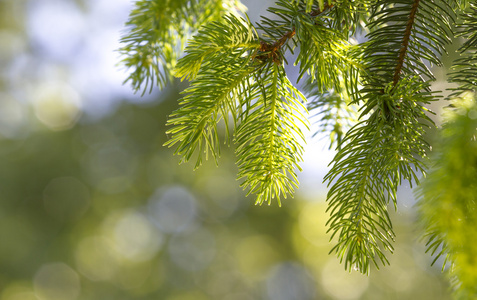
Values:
[(18, 290), (110, 168), (342, 285), (56, 27), (172, 210), (255, 256), (135, 237), (95, 258), (312, 223), (193, 250), (472, 114), (13, 44), (290, 281), (56, 281), (221, 189), (13, 117), (56, 105)]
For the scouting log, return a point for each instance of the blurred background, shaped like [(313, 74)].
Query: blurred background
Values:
[(93, 207)]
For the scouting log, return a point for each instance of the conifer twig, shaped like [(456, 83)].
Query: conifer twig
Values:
[(405, 42), (271, 49)]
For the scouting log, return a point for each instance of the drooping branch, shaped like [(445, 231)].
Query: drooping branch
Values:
[(405, 42)]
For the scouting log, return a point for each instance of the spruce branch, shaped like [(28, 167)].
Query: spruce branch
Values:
[(233, 75), (214, 41), (218, 89), (157, 33), (269, 140), (325, 52), (387, 147), (407, 38), (377, 154), (263, 95), (464, 69), (405, 41), (209, 99), (271, 50)]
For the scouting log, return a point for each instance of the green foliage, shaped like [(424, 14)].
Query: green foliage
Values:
[(448, 196), (158, 30), (269, 141), (378, 154), (237, 75), (325, 51), (386, 148), (404, 37), (231, 40), (264, 105), (465, 68), (219, 87)]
